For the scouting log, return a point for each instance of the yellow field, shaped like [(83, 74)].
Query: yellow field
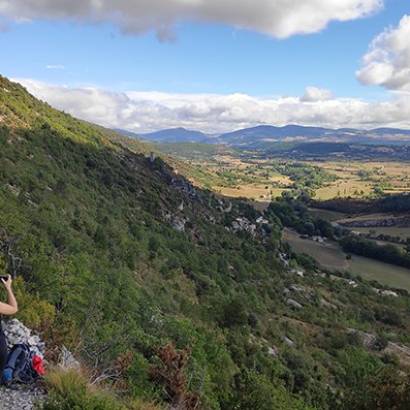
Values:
[(254, 192), (344, 188), (234, 176), (395, 175)]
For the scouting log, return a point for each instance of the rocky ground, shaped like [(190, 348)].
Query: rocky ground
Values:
[(20, 398)]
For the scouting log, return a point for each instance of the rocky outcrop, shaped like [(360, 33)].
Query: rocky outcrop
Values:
[(241, 224), (67, 360), (182, 185), (292, 303), (17, 333)]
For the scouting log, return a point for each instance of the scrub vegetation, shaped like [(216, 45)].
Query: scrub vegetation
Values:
[(172, 296)]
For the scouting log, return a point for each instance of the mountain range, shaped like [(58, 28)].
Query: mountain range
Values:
[(171, 135), (265, 135)]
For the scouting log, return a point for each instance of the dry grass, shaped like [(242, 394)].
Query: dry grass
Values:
[(70, 389), (344, 189), (393, 176), (253, 191), (350, 183)]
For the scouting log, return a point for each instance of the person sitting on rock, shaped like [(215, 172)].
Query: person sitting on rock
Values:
[(9, 308)]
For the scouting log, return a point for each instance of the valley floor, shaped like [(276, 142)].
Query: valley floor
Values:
[(331, 257)]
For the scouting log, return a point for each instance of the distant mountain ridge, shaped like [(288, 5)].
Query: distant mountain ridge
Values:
[(262, 135), (269, 134), (171, 135), (262, 132)]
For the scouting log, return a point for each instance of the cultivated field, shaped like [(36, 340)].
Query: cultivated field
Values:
[(328, 254), (234, 177), (402, 233), (330, 216), (251, 191), (360, 178), (258, 179), (331, 257)]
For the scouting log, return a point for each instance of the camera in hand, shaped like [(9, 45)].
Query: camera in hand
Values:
[(5, 278)]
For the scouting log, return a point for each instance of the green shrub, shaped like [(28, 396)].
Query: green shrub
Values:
[(256, 391), (34, 312), (69, 390)]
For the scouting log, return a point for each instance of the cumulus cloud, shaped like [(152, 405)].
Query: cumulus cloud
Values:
[(313, 94), (148, 111), (278, 18), (387, 63)]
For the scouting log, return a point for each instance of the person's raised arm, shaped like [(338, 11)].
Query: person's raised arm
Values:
[(11, 307)]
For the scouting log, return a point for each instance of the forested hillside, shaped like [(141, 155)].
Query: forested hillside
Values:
[(173, 295)]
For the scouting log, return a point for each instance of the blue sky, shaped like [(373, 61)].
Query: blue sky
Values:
[(210, 57)]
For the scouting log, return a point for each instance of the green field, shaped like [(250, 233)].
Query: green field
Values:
[(384, 273), (327, 254), (403, 233), (330, 216), (331, 257)]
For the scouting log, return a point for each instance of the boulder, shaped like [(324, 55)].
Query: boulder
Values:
[(297, 288), (292, 303), (389, 293), (17, 333), (66, 359), (273, 351), (288, 341)]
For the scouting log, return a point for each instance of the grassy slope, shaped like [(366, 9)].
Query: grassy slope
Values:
[(103, 266)]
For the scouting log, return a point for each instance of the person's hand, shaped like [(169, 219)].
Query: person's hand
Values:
[(7, 283)]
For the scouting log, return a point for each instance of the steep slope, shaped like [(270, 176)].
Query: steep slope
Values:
[(117, 256)]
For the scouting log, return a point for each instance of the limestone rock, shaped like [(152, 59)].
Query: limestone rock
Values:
[(67, 360), (292, 303), (273, 351), (17, 333), (288, 341), (243, 224)]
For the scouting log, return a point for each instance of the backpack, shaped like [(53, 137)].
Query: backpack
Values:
[(18, 367)]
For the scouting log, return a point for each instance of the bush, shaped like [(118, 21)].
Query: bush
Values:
[(36, 313), (70, 390), (234, 313), (388, 389), (256, 391)]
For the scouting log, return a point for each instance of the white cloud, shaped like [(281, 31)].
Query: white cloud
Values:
[(387, 63), (55, 67), (147, 111), (278, 18), (313, 94)]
